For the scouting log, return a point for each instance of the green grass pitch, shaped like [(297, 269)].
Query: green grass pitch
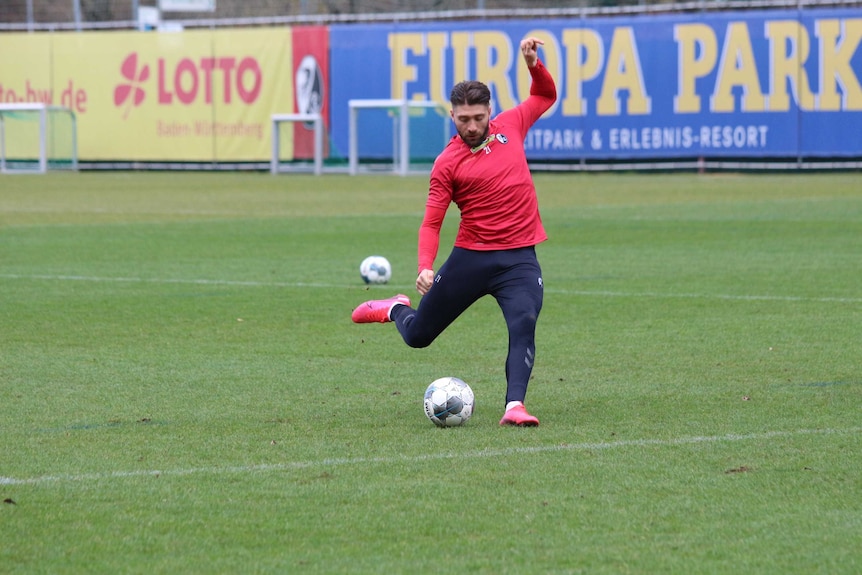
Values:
[(182, 389)]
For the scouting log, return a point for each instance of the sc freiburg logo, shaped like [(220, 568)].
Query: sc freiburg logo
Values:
[(308, 84)]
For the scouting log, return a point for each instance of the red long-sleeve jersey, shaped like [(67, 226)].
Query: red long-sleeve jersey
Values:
[(491, 184)]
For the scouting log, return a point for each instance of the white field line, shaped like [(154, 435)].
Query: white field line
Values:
[(484, 453), (734, 297), (585, 293), (97, 279)]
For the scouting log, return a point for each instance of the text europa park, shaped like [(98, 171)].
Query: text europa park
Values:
[(700, 52)]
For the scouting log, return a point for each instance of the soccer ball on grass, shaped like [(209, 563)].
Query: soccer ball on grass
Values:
[(375, 270), (449, 402)]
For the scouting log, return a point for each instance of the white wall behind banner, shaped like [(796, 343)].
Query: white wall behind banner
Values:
[(187, 5)]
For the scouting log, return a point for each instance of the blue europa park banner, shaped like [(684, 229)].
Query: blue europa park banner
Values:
[(734, 84)]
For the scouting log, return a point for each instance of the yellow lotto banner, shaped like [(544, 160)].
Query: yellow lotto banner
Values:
[(25, 76), (157, 96), (25, 68)]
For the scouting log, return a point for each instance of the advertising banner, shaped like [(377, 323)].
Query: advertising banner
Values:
[(194, 96), (311, 82), (25, 71), (257, 81), (730, 84)]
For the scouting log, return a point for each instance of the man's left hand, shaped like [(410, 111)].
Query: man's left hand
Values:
[(529, 48)]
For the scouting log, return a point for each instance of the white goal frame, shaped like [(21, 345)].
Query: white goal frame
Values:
[(401, 135), (275, 163), (43, 110)]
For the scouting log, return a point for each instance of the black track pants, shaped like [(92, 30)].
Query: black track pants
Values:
[(512, 277)]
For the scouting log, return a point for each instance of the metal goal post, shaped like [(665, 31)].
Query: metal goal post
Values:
[(275, 165), (37, 137), (401, 133)]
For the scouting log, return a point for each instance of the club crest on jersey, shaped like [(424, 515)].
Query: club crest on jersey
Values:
[(485, 145)]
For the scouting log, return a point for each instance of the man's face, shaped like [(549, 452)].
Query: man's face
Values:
[(471, 121)]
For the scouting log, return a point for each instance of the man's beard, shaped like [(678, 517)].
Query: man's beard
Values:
[(475, 140)]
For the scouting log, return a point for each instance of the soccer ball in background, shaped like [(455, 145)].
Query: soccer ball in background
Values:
[(449, 402), (375, 270)]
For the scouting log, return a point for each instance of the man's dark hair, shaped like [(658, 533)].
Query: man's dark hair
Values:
[(470, 93)]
